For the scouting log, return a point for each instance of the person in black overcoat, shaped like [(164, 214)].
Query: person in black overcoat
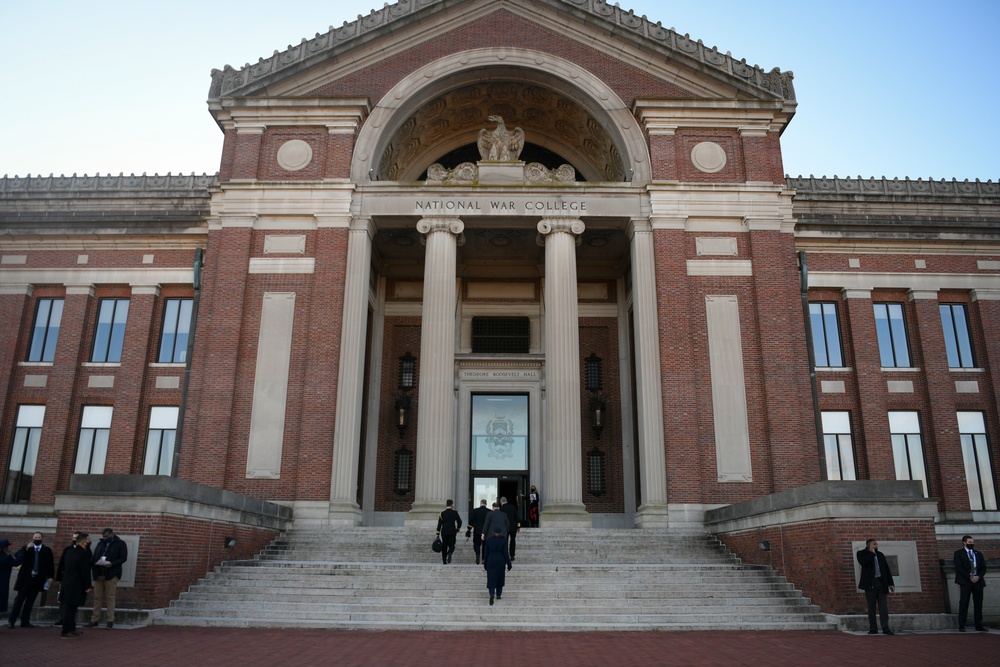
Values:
[(38, 566), (495, 557), (510, 509), (876, 581), (970, 575), (449, 523), (75, 586), (477, 523), (7, 563)]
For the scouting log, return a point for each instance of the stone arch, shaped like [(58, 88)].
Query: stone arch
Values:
[(417, 120)]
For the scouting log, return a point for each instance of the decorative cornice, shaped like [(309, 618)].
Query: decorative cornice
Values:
[(155, 184), (249, 79), (894, 187)]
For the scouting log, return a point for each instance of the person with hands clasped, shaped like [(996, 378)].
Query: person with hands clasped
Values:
[(970, 573), (876, 582), (449, 523)]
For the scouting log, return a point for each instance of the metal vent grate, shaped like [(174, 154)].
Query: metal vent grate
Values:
[(501, 335)]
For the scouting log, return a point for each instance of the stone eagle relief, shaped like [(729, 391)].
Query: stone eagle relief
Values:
[(501, 144)]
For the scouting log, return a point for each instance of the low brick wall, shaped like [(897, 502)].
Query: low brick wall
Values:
[(176, 530), (812, 533)]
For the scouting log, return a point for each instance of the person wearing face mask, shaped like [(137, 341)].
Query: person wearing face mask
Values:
[(876, 581), (970, 575), (75, 584), (37, 569), (109, 555)]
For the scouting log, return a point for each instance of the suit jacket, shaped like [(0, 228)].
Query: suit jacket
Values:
[(867, 560), (477, 520), (449, 522), (510, 509), (46, 568), (963, 568), (76, 576), (495, 520)]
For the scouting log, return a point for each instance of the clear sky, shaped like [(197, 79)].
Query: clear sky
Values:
[(884, 87)]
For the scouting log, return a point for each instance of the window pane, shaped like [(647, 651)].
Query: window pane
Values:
[(899, 346), (884, 335), (163, 417), (169, 331), (102, 334), (955, 327), (30, 416), (118, 331), (832, 334), (848, 469), (948, 329), (968, 422), (818, 334), (904, 422), (97, 416), (985, 472), (836, 422), (84, 449)]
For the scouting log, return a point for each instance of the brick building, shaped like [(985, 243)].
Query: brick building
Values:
[(367, 312)]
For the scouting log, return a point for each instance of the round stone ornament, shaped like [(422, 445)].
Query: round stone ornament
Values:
[(708, 157), (294, 155)]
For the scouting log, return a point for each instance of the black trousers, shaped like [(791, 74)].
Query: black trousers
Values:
[(512, 546), (975, 591), (67, 616), (878, 596), (477, 543), (24, 601), (449, 547)]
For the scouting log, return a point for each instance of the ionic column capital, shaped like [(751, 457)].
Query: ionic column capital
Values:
[(573, 226), (444, 224)]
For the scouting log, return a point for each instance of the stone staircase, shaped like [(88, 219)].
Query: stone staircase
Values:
[(388, 578)]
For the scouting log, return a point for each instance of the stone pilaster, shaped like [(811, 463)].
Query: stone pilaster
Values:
[(435, 389), (563, 447), (350, 380), (652, 511)]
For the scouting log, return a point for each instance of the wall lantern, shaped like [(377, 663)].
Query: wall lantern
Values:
[(407, 372), (404, 466), (228, 542), (402, 412), (595, 472), (592, 382)]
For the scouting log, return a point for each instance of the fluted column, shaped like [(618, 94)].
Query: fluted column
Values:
[(563, 446), (435, 390), (350, 379), (652, 510)]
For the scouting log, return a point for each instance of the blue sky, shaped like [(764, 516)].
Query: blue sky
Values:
[(893, 88)]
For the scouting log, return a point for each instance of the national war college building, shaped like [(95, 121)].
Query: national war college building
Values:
[(457, 248)]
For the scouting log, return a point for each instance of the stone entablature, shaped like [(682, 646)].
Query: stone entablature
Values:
[(252, 79), (893, 187)]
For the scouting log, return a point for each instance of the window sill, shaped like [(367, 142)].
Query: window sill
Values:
[(100, 364), (967, 370), (160, 364), (900, 369), (35, 364)]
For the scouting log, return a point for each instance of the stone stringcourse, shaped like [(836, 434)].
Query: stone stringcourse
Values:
[(230, 82), (893, 186)]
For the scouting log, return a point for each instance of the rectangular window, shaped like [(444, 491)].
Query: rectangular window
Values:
[(976, 454), (501, 335), (176, 328), (160, 441), (839, 445), (891, 329), (110, 334), (957, 342), (23, 453), (907, 448), (92, 449), (826, 335), (45, 333)]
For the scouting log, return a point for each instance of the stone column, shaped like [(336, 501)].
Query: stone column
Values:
[(436, 371), (652, 511), (563, 449), (350, 380)]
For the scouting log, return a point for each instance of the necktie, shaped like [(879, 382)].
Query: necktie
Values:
[(878, 570), (34, 564), (972, 559)]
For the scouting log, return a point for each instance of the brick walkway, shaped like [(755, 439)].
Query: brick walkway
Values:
[(170, 646)]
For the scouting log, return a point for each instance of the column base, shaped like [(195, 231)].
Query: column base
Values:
[(565, 514), (652, 516), (424, 513), (344, 513)]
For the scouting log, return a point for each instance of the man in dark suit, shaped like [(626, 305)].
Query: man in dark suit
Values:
[(495, 520), (449, 523), (477, 522), (510, 509), (75, 584), (37, 569), (876, 582), (970, 575)]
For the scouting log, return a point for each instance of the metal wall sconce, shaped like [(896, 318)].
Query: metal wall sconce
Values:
[(764, 545), (595, 472), (407, 372), (228, 542), (402, 412), (592, 382), (404, 468)]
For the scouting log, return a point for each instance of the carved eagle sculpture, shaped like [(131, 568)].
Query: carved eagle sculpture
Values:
[(500, 144)]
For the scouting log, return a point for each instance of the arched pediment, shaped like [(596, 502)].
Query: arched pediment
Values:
[(443, 106)]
